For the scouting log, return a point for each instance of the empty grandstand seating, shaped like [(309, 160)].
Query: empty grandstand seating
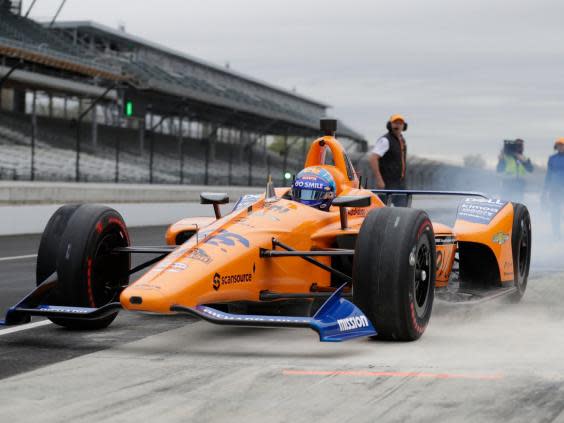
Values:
[(55, 156)]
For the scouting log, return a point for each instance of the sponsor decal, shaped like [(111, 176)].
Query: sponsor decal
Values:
[(351, 323), (357, 212), (65, 309), (224, 316), (200, 255), (243, 220), (309, 185), (147, 287), (216, 281), (219, 281), (277, 208), (500, 238), (479, 210), (227, 239), (177, 267), (445, 240), (162, 265)]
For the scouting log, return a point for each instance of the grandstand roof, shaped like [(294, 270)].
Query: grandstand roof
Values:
[(151, 66), (91, 54), (25, 39), (107, 31)]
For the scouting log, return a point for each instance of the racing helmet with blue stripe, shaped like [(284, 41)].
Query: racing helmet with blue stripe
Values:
[(314, 186)]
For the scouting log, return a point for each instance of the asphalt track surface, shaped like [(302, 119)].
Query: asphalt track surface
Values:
[(491, 362)]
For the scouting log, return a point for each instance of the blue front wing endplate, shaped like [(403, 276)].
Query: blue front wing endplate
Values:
[(336, 320)]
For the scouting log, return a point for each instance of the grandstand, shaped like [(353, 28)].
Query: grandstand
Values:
[(64, 90)]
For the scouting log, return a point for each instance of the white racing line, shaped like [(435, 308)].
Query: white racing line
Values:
[(18, 257), (26, 326)]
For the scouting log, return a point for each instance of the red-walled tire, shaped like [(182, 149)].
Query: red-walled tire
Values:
[(394, 272), (89, 275)]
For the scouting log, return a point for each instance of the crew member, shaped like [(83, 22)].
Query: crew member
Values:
[(388, 158), (553, 192), (513, 165)]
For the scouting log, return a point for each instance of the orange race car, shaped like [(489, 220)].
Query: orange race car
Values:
[(324, 254)]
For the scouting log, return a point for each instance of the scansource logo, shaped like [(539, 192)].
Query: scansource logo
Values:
[(216, 281), (219, 280)]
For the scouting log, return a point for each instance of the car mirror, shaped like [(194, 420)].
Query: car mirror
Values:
[(352, 201), (215, 198)]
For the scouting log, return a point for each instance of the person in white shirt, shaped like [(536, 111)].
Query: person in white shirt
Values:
[(388, 156)]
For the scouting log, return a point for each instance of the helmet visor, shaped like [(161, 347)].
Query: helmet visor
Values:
[(308, 194)]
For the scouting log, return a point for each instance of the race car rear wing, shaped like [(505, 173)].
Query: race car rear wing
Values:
[(389, 194)]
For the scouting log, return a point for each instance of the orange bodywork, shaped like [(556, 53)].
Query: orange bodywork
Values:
[(190, 225), (500, 229), (222, 263)]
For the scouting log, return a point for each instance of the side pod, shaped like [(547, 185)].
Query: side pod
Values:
[(337, 319)]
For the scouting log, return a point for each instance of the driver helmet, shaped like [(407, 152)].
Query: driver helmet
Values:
[(315, 187)]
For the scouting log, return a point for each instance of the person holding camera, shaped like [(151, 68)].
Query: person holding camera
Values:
[(553, 191), (513, 165)]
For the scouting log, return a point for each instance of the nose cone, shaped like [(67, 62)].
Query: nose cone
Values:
[(144, 299)]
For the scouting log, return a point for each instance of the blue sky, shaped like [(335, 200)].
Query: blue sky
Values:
[(465, 74)]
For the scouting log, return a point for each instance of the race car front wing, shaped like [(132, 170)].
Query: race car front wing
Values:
[(336, 320)]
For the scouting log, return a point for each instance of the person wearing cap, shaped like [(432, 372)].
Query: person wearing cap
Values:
[(513, 165), (388, 156), (553, 191)]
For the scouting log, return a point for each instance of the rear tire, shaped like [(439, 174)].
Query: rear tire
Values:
[(521, 248), (88, 274), (394, 272)]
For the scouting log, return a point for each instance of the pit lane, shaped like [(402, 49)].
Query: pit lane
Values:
[(492, 362)]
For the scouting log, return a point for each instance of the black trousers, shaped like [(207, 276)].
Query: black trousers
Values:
[(397, 200)]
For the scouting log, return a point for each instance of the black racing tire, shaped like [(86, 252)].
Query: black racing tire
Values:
[(394, 272), (50, 240), (521, 243), (88, 274)]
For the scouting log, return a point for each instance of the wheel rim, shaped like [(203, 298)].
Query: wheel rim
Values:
[(105, 277), (422, 277)]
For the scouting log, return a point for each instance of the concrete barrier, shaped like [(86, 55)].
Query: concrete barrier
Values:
[(20, 192), (32, 218)]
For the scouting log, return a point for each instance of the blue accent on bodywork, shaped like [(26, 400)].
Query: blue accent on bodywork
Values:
[(337, 319), (479, 210), (31, 306)]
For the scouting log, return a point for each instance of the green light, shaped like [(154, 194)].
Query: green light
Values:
[(287, 175), (129, 108)]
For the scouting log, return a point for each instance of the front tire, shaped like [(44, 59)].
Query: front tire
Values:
[(394, 272), (89, 275)]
